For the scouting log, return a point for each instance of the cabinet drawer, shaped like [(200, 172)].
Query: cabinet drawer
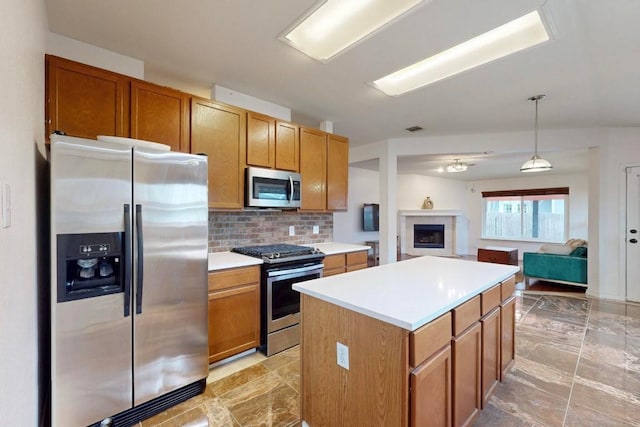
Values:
[(465, 315), (490, 299), (354, 258), (334, 261), (225, 279), (508, 287), (424, 342)]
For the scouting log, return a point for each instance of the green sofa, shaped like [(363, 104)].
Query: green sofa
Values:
[(570, 269)]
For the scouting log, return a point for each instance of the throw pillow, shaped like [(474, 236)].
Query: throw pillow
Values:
[(555, 249)]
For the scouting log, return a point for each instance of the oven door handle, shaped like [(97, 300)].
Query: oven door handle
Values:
[(295, 270)]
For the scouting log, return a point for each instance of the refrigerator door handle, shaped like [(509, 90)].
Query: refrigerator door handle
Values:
[(127, 260), (140, 264)]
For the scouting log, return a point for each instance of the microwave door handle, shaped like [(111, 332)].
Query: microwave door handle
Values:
[(290, 189)]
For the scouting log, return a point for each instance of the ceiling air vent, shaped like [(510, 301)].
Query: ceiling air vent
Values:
[(413, 128)]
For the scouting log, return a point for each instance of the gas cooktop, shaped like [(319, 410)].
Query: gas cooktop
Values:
[(280, 252)]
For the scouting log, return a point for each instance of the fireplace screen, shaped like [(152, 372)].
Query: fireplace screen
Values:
[(428, 236)]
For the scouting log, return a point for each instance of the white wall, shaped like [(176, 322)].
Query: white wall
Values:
[(92, 55), (578, 207), (363, 188), (23, 28), (411, 191)]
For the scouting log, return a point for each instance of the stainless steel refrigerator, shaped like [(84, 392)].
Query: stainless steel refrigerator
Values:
[(128, 280)]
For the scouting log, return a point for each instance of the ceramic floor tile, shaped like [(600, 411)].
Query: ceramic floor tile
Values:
[(615, 307), (605, 375), (622, 351), (529, 405), (238, 379), (290, 374), (281, 359), (564, 306), (609, 402), (230, 367), (614, 323), (564, 334), (279, 407)]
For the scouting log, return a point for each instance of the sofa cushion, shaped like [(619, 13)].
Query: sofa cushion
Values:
[(580, 251)]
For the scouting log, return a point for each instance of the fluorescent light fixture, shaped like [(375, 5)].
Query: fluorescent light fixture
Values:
[(512, 37), (335, 25)]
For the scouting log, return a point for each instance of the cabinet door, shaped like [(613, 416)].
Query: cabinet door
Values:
[(85, 101), (430, 396), (219, 131), (334, 264), (261, 148), (313, 168), (490, 353), (467, 350), (234, 321), (337, 172), (356, 260), (287, 146), (160, 114), (507, 335)]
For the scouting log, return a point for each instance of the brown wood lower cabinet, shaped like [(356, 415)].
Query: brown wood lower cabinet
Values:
[(345, 262), (490, 353), (430, 396), (507, 335), (467, 350), (432, 376), (234, 311)]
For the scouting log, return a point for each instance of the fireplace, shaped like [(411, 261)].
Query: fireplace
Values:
[(428, 236)]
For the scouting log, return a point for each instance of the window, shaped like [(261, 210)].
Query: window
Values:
[(534, 215)]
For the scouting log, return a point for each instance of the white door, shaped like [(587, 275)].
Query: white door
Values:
[(633, 234)]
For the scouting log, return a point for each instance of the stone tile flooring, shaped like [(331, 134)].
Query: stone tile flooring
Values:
[(577, 364)]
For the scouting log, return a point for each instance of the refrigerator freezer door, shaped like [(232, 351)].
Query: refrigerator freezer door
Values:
[(91, 339), (170, 309)]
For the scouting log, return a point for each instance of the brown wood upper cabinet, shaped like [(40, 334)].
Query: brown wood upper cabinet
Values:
[(272, 143), (219, 131), (160, 114), (85, 101), (261, 140), (324, 167)]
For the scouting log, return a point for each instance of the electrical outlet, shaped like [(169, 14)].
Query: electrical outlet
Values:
[(316, 229), (342, 355), (292, 230)]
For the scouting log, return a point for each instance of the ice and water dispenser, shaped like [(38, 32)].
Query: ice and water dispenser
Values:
[(89, 265)]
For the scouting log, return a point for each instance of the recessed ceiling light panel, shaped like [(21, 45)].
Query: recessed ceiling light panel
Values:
[(521, 33), (335, 25)]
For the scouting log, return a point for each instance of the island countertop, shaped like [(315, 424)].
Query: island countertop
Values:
[(410, 293)]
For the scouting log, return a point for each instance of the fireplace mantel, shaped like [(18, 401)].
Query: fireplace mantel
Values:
[(430, 212), (451, 219)]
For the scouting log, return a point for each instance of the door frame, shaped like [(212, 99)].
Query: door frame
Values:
[(623, 214)]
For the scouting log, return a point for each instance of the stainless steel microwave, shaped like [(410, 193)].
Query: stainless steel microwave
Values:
[(270, 188)]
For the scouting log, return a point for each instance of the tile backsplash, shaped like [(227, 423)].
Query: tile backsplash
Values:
[(233, 229)]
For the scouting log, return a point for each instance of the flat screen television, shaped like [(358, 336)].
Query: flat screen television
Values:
[(370, 217)]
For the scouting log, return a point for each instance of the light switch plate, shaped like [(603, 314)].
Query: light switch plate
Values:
[(292, 230), (316, 229)]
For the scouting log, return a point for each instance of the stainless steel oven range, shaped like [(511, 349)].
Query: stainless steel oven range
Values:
[(283, 266)]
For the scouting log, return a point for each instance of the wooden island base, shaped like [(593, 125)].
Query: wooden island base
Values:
[(440, 374)]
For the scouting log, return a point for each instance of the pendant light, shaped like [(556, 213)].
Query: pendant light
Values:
[(536, 163)]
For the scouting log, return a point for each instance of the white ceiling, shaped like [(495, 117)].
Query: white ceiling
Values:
[(589, 71)]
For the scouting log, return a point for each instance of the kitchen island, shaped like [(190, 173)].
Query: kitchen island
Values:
[(421, 342)]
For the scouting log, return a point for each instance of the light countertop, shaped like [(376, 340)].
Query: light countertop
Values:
[(331, 248), (222, 260), (408, 293)]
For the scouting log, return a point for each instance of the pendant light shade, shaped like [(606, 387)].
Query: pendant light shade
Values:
[(536, 163)]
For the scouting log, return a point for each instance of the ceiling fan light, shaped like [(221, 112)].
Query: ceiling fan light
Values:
[(536, 164), (457, 167)]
